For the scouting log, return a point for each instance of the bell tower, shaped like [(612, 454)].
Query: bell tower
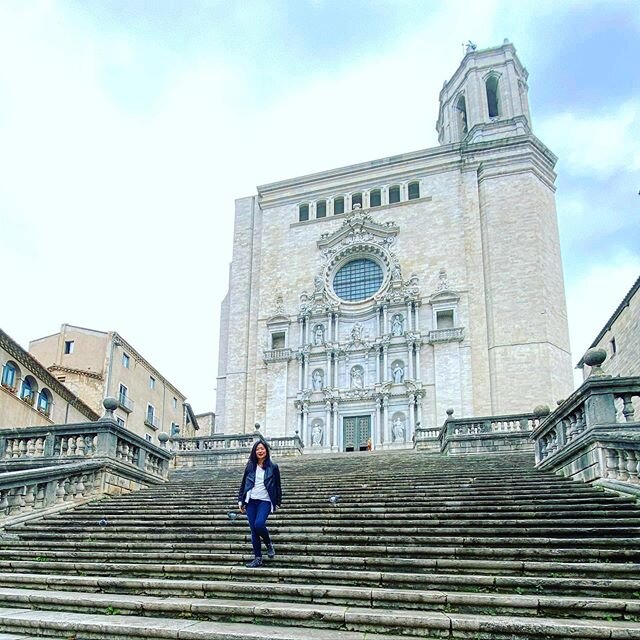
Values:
[(486, 99)]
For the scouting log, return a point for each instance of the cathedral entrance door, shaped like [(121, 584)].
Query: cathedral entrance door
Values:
[(356, 432)]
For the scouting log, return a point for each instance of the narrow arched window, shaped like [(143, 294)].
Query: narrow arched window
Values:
[(461, 107), (10, 376), (303, 212), (44, 402), (356, 199), (321, 209), (27, 393), (394, 194), (338, 206), (492, 96), (414, 190), (375, 199)]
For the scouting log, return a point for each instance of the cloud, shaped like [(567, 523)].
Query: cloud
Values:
[(599, 145)]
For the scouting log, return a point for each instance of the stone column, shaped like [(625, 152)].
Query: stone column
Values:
[(410, 426), (307, 329), (410, 360), (385, 356), (347, 203), (378, 330), (381, 438), (387, 420), (365, 381), (403, 192), (418, 346), (385, 321), (378, 364), (305, 424), (419, 407), (301, 329), (384, 195), (327, 334), (327, 439), (336, 426), (300, 370), (365, 199), (327, 379), (409, 318), (417, 322)]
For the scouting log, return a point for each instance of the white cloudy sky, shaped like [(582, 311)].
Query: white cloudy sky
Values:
[(128, 128)]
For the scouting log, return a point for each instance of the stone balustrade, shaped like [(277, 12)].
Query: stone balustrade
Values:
[(230, 449), (277, 355), (454, 334), (594, 434), (487, 434), (28, 447)]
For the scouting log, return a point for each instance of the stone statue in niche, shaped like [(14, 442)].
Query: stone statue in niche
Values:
[(318, 334), (397, 325), (356, 378), (356, 332), (398, 430), (316, 435), (398, 373), (395, 271), (318, 379)]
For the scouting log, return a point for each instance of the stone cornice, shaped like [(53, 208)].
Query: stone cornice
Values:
[(82, 372), (34, 366)]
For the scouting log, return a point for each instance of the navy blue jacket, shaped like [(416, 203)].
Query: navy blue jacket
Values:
[(271, 482)]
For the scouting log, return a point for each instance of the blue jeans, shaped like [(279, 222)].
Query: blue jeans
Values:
[(257, 513)]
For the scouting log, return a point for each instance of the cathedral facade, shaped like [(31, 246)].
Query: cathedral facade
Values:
[(369, 299)]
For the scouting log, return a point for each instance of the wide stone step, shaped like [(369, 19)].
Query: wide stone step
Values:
[(258, 620), (449, 601), (619, 587), (349, 562), (20, 548)]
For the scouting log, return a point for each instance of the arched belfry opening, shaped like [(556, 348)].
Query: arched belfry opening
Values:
[(493, 97)]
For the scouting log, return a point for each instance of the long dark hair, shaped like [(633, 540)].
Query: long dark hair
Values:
[(253, 458)]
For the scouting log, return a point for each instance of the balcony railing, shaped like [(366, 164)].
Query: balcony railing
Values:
[(151, 421), (277, 355), (455, 334), (125, 402)]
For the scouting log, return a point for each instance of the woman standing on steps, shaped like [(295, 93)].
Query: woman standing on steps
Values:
[(260, 494)]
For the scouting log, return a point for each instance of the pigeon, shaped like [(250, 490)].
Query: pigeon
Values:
[(334, 500), (103, 522), (232, 515)]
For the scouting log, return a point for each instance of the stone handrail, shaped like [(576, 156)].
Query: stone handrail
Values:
[(230, 449), (594, 434), (487, 434), (28, 447), (277, 355), (453, 334)]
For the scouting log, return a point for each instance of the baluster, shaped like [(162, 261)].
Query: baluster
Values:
[(67, 489), (80, 486), (60, 491), (16, 500), (632, 465), (80, 446), (119, 449), (94, 445), (9, 448), (627, 408), (63, 446), (23, 448), (612, 463), (71, 444), (40, 447), (57, 446), (581, 424), (622, 465), (30, 497), (31, 447), (4, 501), (40, 495)]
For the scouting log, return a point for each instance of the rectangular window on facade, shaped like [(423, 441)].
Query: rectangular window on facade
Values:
[(444, 319), (152, 382), (338, 206), (356, 198), (321, 209), (414, 190), (126, 360), (174, 403), (303, 212), (120, 421), (278, 340), (148, 437), (375, 200), (175, 429), (394, 194), (68, 347), (150, 418)]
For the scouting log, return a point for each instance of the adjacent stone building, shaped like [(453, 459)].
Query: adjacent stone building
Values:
[(30, 396), (367, 299), (620, 338), (96, 364)]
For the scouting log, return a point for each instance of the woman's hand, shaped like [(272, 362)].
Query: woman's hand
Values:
[(240, 507)]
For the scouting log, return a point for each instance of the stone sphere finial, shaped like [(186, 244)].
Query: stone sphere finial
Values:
[(449, 413), (163, 437), (109, 404), (257, 426), (594, 358), (541, 411)]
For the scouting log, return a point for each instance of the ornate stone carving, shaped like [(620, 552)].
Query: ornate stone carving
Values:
[(318, 380), (318, 334), (398, 373), (397, 325), (443, 280), (317, 434), (397, 429), (357, 377)]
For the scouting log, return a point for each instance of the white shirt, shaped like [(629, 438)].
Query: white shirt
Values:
[(259, 491)]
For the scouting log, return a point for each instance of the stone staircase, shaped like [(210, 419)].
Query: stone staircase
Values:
[(418, 545)]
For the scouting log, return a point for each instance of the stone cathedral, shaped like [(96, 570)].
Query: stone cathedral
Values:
[(368, 299)]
